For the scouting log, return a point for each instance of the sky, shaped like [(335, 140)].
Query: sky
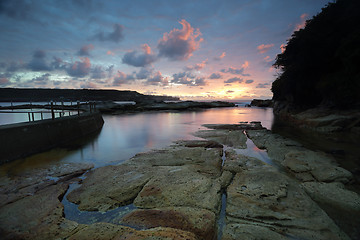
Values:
[(195, 50)]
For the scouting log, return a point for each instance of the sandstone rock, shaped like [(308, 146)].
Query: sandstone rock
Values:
[(250, 232), (158, 233), (333, 194), (179, 187), (225, 179), (207, 161), (237, 163), (201, 222), (37, 217), (27, 183), (236, 139), (199, 143), (109, 187), (298, 159), (270, 199), (100, 231)]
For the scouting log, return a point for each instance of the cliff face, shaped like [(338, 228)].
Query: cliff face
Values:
[(321, 63), (43, 95)]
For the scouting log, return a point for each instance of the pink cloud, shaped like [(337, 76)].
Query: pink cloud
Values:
[(179, 44), (157, 79), (220, 57), (146, 48), (282, 47), (302, 23), (197, 66), (80, 68), (136, 59), (110, 53), (88, 85), (267, 59), (245, 65), (263, 48), (4, 81), (85, 50)]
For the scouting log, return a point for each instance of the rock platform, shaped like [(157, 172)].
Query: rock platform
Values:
[(177, 192)]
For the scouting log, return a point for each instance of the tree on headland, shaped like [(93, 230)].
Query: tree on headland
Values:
[(321, 62)]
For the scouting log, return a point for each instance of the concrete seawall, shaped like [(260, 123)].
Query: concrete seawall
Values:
[(22, 139)]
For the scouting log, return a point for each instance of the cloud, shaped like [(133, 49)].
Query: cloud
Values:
[(197, 66), (38, 62), (199, 81), (98, 73), (80, 68), (122, 78), (41, 80), (215, 76), (157, 79), (17, 9), (58, 63), (88, 85), (267, 59), (263, 48), (115, 36), (249, 81), (302, 23), (229, 91), (110, 53), (245, 65), (136, 59), (179, 44), (263, 85), (282, 47), (233, 80), (186, 78), (220, 57), (144, 73), (85, 50), (236, 71), (4, 81)]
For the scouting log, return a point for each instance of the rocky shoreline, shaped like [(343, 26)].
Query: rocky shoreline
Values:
[(179, 192), (320, 119)]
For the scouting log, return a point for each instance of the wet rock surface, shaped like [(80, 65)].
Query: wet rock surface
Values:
[(178, 193)]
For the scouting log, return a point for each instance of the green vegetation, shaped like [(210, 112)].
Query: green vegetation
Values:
[(321, 63)]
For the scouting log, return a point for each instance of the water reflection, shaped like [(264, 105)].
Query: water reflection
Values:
[(122, 136)]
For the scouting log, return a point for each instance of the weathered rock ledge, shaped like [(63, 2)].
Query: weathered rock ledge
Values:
[(321, 119), (177, 191)]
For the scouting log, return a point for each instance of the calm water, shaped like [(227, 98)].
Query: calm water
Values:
[(122, 136)]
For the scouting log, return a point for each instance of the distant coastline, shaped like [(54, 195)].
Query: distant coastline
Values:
[(47, 94)]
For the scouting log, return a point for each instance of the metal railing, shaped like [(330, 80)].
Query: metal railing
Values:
[(63, 109)]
